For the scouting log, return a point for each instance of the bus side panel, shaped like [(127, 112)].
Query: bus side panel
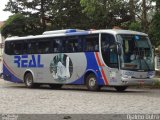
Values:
[(61, 68), (82, 63), (92, 65), (9, 75)]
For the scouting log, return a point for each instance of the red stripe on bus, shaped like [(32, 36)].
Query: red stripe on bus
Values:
[(102, 71), (98, 59), (104, 76)]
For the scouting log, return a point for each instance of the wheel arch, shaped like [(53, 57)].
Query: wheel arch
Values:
[(90, 72), (28, 71)]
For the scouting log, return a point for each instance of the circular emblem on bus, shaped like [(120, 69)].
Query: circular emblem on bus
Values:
[(61, 67)]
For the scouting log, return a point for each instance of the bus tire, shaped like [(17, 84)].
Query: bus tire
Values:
[(28, 80), (120, 88), (91, 83), (55, 86)]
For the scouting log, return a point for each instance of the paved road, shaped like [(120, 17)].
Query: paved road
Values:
[(16, 99)]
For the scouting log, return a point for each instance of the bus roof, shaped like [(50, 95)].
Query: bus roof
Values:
[(72, 32)]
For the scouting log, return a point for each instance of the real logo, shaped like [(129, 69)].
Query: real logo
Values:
[(23, 61)]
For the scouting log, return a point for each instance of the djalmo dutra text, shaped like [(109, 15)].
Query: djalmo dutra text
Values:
[(143, 116)]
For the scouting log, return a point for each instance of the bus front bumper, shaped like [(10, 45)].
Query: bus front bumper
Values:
[(131, 81)]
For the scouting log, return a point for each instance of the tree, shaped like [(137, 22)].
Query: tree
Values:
[(142, 15), (154, 30), (68, 14), (19, 25), (132, 10), (31, 8), (60, 13), (145, 14), (157, 7), (106, 13)]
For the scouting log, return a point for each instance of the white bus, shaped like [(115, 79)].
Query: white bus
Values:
[(116, 58)]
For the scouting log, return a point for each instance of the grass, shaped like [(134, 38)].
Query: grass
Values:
[(157, 83)]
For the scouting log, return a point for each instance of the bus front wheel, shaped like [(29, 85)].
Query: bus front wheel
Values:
[(28, 80), (91, 83), (121, 88)]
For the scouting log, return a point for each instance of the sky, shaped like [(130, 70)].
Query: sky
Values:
[(3, 14)]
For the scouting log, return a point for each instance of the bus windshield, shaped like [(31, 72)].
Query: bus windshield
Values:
[(137, 52)]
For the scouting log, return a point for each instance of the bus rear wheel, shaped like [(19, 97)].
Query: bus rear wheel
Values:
[(91, 83), (28, 80), (55, 86), (121, 88)]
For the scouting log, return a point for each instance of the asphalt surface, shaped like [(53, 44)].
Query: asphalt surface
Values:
[(17, 99)]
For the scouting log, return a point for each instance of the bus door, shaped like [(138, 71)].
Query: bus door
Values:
[(110, 58)]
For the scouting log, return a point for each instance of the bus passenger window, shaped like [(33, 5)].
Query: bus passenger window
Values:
[(57, 46), (8, 49), (24, 46), (17, 48), (68, 46), (43, 47), (90, 46), (92, 43), (32, 47), (72, 44), (96, 45)]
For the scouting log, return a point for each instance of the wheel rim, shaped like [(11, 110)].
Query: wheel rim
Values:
[(29, 80), (92, 82)]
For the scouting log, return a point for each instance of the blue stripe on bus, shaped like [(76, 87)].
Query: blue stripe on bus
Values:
[(78, 81), (78, 33), (93, 65), (8, 76)]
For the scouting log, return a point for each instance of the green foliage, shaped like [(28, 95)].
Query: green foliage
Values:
[(156, 81), (68, 14), (31, 8), (155, 30), (57, 14), (136, 26), (132, 25), (12, 24), (19, 25), (106, 13)]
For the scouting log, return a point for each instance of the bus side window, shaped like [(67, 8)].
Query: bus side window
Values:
[(72, 44), (67, 46), (8, 48), (17, 48), (44, 47), (79, 44), (57, 45), (90, 46), (92, 43), (96, 45), (32, 47), (14, 47), (24, 46)]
